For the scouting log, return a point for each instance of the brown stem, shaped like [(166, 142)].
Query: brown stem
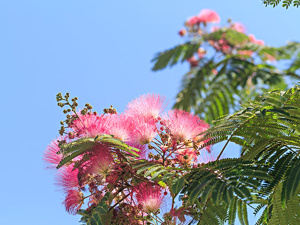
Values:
[(118, 202)]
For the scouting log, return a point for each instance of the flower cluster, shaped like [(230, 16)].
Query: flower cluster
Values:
[(198, 27), (171, 139)]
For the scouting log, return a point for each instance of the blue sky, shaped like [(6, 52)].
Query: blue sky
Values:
[(99, 51)]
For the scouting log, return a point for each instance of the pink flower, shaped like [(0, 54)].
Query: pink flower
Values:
[(192, 21), (239, 27), (90, 125), (184, 125), (214, 71), (186, 155), (245, 52), (214, 28), (225, 48), (143, 149), (222, 42), (143, 131), (260, 42), (254, 40), (73, 201), (193, 61), (50, 156), (67, 178), (119, 126), (101, 163), (182, 32), (201, 53), (148, 106), (207, 15), (149, 197)]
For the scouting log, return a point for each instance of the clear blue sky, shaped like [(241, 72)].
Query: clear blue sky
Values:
[(99, 51)]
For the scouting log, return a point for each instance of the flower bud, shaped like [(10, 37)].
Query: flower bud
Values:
[(182, 32)]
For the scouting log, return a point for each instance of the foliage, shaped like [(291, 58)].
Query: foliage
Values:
[(232, 67), (124, 166), (127, 166), (227, 183), (212, 192), (268, 132), (285, 3)]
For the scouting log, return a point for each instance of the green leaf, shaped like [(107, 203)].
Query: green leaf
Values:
[(232, 211), (167, 176), (152, 169), (230, 35), (99, 212), (157, 173), (197, 190), (177, 185), (74, 150), (118, 144), (145, 167), (75, 145), (172, 56)]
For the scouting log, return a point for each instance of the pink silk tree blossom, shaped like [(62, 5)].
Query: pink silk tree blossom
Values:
[(143, 130), (73, 201), (254, 40), (239, 27), (101, 163), (97, 166), (192, 21), (193, 61), (183, 125), (66, 178), (182, 32), (90, 125), (186, 155), (201, 53), (148, 106), (119, 126), (50, 155), (247, 53), (209, 16), (149, 197), (143, 149)]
